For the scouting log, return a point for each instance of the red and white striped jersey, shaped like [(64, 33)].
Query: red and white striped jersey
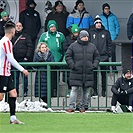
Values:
[(6, 57)]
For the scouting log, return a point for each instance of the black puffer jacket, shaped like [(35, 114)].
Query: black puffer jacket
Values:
[(123, 84), (23, 48), (82, 58), (2, 25), (102, 40)]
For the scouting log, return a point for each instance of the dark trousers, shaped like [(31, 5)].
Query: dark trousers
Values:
[(16, 75), (113, 55), (103, 74), (122, 99)]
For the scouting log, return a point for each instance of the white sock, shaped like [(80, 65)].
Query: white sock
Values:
[(130, 108), (113, 108), (13, 118)]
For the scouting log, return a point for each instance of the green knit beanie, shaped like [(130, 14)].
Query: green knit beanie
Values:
[(3, 14), (74, 28)]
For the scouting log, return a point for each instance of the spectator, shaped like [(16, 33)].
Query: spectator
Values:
[(82, 57), (123, 91), (23, 52), (102, 40), (5, 18), (80, 16), (54, 40), (30, 20), (68, 41), (130, 27), (6, 81), (59, 14), (42, 54), (111, 23)]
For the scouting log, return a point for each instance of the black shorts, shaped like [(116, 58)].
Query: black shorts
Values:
[(6, 84)]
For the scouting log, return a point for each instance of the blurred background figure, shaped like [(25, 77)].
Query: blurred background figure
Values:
[(80, 16), (30, 20), (59, 15), (111, 23), (42, 54), (23, 52), (4, 19)]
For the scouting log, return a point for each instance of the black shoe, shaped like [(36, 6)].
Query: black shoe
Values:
[(103, 93)]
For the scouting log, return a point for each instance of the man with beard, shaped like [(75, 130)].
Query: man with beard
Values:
[(123, 91)]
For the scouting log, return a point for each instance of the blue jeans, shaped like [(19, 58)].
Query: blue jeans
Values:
[(85, 97), (16, 75)]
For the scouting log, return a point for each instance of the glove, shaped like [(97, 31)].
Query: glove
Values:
[(123, 92)]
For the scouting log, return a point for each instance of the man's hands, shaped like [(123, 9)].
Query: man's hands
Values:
[(124, 92), (25, 72)]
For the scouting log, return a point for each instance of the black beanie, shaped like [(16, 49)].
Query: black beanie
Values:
[(126, 71), (105, 5), (78, 1), (58, 3)]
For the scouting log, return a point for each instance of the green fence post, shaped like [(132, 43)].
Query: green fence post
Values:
[(48, 85)]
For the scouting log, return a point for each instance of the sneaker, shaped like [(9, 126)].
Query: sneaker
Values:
[(70, 111), (95, 95), (16, 122), (82, 111), (25, 94)]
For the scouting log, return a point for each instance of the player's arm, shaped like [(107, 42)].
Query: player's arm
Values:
[(16, 64)]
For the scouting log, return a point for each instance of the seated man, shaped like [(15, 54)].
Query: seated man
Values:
[(123, 91)]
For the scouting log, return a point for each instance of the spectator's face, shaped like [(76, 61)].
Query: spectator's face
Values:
[(32, 5), (6, 18), (76, 34), (106, 10), (86, 38), (59, 8), (128, 75), (98, 25), (43, 48), (19, 26), (80, 7), (53, 29)]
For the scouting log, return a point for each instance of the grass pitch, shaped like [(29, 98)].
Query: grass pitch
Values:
[(68, 123)]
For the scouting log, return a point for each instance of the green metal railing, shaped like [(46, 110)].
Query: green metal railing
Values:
[(61, 64)]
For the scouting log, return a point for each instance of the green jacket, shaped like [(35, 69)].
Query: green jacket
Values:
[(55, 43)]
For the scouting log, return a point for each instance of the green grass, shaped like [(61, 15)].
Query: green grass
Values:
[(69, 123)]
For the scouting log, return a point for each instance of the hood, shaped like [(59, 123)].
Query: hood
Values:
[(30, 2), (50, 24)]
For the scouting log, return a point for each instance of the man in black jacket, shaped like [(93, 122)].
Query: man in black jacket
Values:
[(123, 91), (82, 57), (30, 20), (102, 40), (59, 14), (23, 52)]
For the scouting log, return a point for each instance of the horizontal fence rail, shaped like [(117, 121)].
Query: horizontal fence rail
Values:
[(61, 100)]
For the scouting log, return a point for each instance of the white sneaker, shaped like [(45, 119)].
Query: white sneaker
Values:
[(130, 108), (16, 122)]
